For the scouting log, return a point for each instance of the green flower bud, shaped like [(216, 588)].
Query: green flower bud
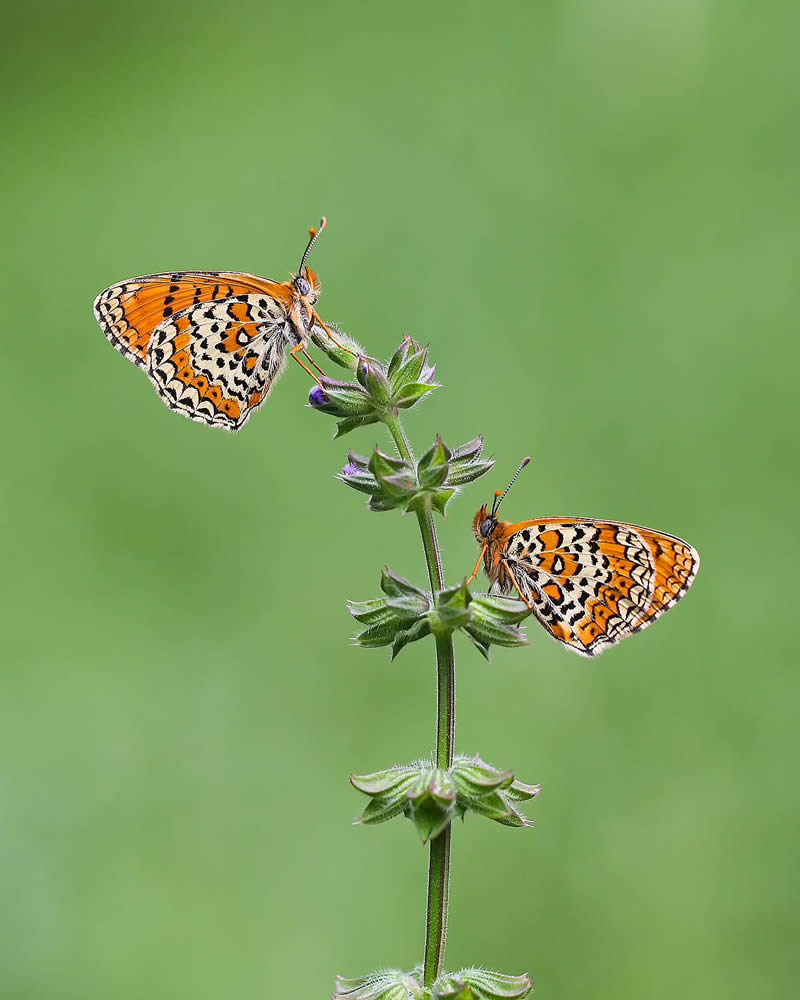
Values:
[(357, 476), (431, 802), (345, 358), (430, 797), (410, 376), (480, 984), (372, 376), (452, 609), (432, 468), (466, 464)]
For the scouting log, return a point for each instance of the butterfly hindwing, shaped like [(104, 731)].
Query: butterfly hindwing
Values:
[(217, 361), (593, 583)]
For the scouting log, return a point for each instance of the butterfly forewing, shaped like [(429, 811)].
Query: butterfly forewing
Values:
[(593, 583), (212, 342)]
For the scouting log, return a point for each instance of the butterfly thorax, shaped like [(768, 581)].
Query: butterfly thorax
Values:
[(303, 291), (492, 533)]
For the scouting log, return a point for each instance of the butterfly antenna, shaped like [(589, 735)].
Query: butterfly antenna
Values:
[(500, 497), (314, 234)]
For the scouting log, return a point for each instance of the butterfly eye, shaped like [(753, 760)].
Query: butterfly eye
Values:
[(487, 527), (302, 286)]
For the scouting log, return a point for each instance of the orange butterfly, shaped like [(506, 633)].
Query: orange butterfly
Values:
[(213, 343), (589, 583)]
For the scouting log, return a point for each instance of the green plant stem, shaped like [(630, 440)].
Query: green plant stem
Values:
[(439, 863)]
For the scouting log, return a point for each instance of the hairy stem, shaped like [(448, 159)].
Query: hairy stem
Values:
[(439, 864)]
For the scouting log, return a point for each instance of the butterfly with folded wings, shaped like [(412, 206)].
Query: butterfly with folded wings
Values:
[(589, 583), (214, 343)]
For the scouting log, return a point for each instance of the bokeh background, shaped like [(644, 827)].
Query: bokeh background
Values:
[(589, 210)]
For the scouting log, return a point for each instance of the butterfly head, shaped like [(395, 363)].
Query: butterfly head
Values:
[(484, 525)]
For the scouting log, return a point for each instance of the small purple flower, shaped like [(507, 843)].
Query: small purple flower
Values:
[(317, 397), (351, 469)]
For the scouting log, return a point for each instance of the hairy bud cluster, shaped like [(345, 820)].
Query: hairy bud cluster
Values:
[(379, 390), (408, 613), (468, 984), (394, 484), (431, 796)]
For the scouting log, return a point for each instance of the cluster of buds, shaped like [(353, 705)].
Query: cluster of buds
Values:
[(431, 797), (407, 613), (393, 483), (468, 984), (379, 390)]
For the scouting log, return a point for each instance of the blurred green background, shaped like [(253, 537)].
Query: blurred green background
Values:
[(589, 210)]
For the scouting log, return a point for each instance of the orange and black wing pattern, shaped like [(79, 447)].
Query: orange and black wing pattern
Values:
[(591, 583), (212, 342), (129, 312)]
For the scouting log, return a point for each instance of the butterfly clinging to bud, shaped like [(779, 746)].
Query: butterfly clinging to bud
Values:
[(213, 343), (589, 583)]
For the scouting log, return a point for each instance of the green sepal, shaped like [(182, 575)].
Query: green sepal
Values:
[(336, 354), (470, 451), (388, 792), (397, 586), (356, 474), (407, 364), (433, 467), (413, 393), (466, 464), (388, 984), (460, 475), (431, 803), (451, 609), (489, 791), (395, 620), (495, 621), (419, 630), (481, 984), (353, 423)]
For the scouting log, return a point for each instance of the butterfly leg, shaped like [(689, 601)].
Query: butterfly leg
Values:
[(523, 598), (477, 566), (313, 363), (327, 330), (304, 366)]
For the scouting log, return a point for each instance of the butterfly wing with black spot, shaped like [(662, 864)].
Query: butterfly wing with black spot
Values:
[(593, 583), (217, 362), (185, 308)]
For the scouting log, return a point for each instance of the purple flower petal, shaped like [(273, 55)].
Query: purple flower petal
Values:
[(317, 396)]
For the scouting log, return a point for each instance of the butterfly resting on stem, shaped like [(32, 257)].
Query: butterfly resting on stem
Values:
[(214, 343), (589, 583)]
